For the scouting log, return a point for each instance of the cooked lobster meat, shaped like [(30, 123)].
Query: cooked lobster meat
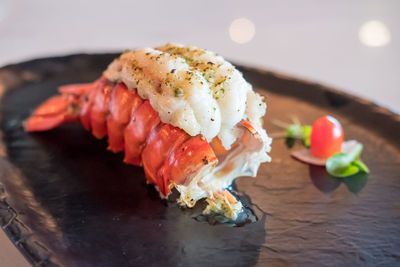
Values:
[(184, 114)]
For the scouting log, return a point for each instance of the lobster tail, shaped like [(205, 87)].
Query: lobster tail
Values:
[(60, 108), (183, 113), (170, 156), (52, 113)]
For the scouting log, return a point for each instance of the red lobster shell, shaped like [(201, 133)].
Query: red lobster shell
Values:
[(168, 154)]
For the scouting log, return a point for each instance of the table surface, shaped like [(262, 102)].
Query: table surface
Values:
[(350, 45)]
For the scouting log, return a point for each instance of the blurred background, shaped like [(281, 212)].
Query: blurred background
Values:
[(351, 45)]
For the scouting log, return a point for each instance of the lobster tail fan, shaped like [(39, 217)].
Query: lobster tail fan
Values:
[(53, 112)]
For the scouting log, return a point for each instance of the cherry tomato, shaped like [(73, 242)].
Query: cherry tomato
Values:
[(326, 137)]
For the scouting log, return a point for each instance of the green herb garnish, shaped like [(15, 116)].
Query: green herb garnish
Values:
[(293, 132), (188, 59), (346, 164), (178, 92), (301, 132)]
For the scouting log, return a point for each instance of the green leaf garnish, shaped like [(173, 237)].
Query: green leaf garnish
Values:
[(346, 164), (361, 165)]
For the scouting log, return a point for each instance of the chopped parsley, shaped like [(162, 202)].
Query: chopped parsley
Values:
[(205, 77), (178, 92), (188, 59)]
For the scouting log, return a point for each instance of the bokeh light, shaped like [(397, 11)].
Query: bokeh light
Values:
[(242, 30), (374, 33)]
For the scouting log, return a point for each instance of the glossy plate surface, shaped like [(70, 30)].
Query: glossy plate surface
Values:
[(66, 200)]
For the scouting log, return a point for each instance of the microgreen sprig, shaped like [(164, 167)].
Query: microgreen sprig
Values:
[(293, 132)]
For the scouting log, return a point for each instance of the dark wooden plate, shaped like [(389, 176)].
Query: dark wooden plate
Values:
[(65, 200)]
